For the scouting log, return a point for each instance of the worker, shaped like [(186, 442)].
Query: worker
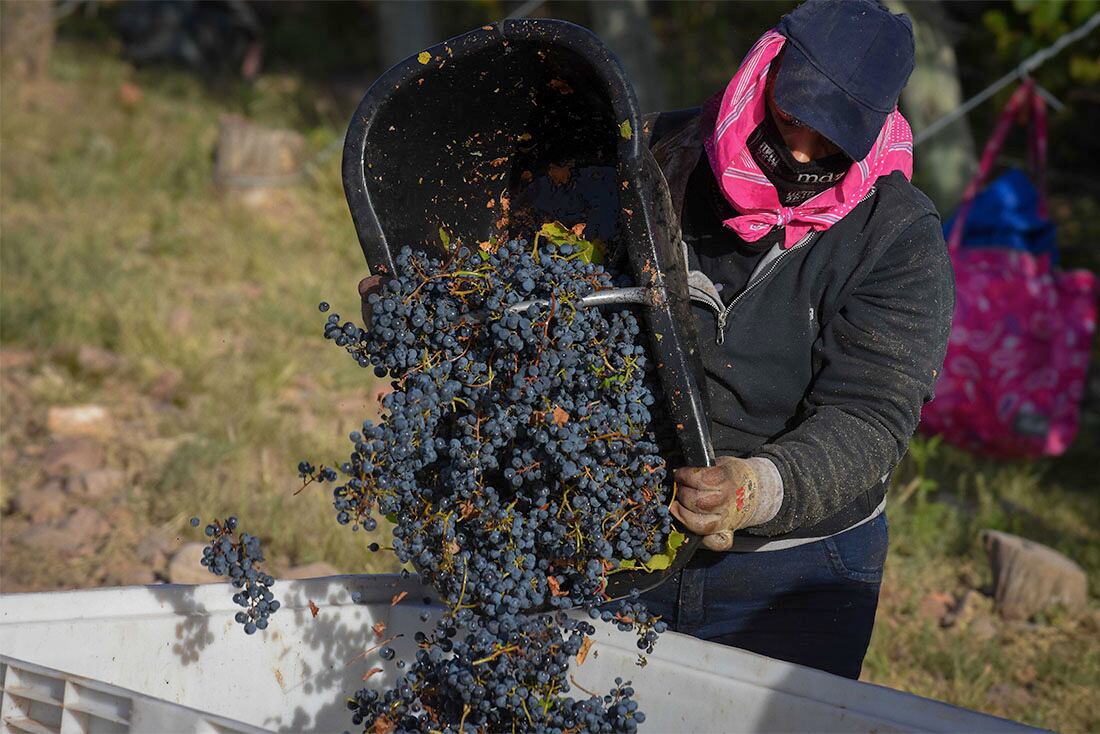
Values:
[(823, 296)]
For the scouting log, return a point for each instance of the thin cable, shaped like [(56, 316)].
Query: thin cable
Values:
[(1023, 69), (525, 10)]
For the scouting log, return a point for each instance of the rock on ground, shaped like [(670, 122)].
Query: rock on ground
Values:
[(971, 606), (982, 629), (98, 362), (85, 527), (80, 532), (12, 358), (78, 420), (311, 570), (97, 483), (250, 156), (935, 605), (45, 538), (72, 456), (185, 566), (1029, 577), (127, 572), (155, 550), (43, 503)]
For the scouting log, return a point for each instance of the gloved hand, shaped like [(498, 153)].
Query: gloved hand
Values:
[(733, 494), (367, 286)]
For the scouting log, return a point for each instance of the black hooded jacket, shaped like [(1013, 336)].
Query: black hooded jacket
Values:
[(822, 360)]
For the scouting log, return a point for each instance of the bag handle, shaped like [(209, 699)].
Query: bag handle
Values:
[(1037, 146), (1024, 101)]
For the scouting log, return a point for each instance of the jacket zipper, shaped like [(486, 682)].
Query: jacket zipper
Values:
[(723, 314)]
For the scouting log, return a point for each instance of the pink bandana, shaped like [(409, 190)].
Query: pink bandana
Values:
[(742, 107)]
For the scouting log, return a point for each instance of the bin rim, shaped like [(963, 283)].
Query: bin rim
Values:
[(561, 33)]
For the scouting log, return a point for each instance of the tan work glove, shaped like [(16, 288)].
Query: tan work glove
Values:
[(733, 494)]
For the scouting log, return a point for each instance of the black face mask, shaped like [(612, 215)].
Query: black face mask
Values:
[(795, 182)]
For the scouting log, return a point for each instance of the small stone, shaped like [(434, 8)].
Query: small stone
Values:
[(98, 483), (935, 606), (311, 570), (971, 605), (982, 629), (128, 572), (121, 519), (99, 362), (185, 566), (1029, 577), (154, 550), (79, 420), (44, 503), (12, 358), (129, 94), (46, 538), (250, 156), (85, 526), (72, 456)]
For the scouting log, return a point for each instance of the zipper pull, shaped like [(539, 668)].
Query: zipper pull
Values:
[(721, 337)]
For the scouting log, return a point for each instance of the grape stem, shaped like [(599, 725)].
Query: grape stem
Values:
[(497, 654), (462, 592)]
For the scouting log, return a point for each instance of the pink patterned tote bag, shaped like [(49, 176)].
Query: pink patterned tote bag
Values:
[(1014, 376)]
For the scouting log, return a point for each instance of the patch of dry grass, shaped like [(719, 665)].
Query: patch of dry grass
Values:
[(113, 236), (1045, 671)]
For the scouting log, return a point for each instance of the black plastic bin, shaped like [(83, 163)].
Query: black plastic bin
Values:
[(479, 132)]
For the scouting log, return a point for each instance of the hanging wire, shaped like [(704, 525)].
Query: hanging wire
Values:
[(1022, 70), (525, 9)]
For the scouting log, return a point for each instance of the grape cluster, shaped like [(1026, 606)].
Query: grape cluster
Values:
[(633, 615), (515, 447), (516, 458), (239, 559), (501, 675)]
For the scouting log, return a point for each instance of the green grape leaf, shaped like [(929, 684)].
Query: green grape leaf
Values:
[(588, 251), (557, 233), (626, 130), (660, 561)]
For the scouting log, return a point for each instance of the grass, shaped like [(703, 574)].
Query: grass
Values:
[(113, 236), (941, 500)]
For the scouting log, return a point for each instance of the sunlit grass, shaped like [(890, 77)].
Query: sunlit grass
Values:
[(941, 500), (113, 236)]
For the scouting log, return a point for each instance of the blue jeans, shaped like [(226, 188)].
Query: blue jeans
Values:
[(813, 604)]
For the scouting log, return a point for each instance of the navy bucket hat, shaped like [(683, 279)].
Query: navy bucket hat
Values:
[(844, 64)]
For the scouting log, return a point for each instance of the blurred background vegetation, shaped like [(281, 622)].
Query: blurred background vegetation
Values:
[(140, 277)]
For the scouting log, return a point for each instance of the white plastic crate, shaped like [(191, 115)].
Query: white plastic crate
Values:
[(181, 645), (40, 700)]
